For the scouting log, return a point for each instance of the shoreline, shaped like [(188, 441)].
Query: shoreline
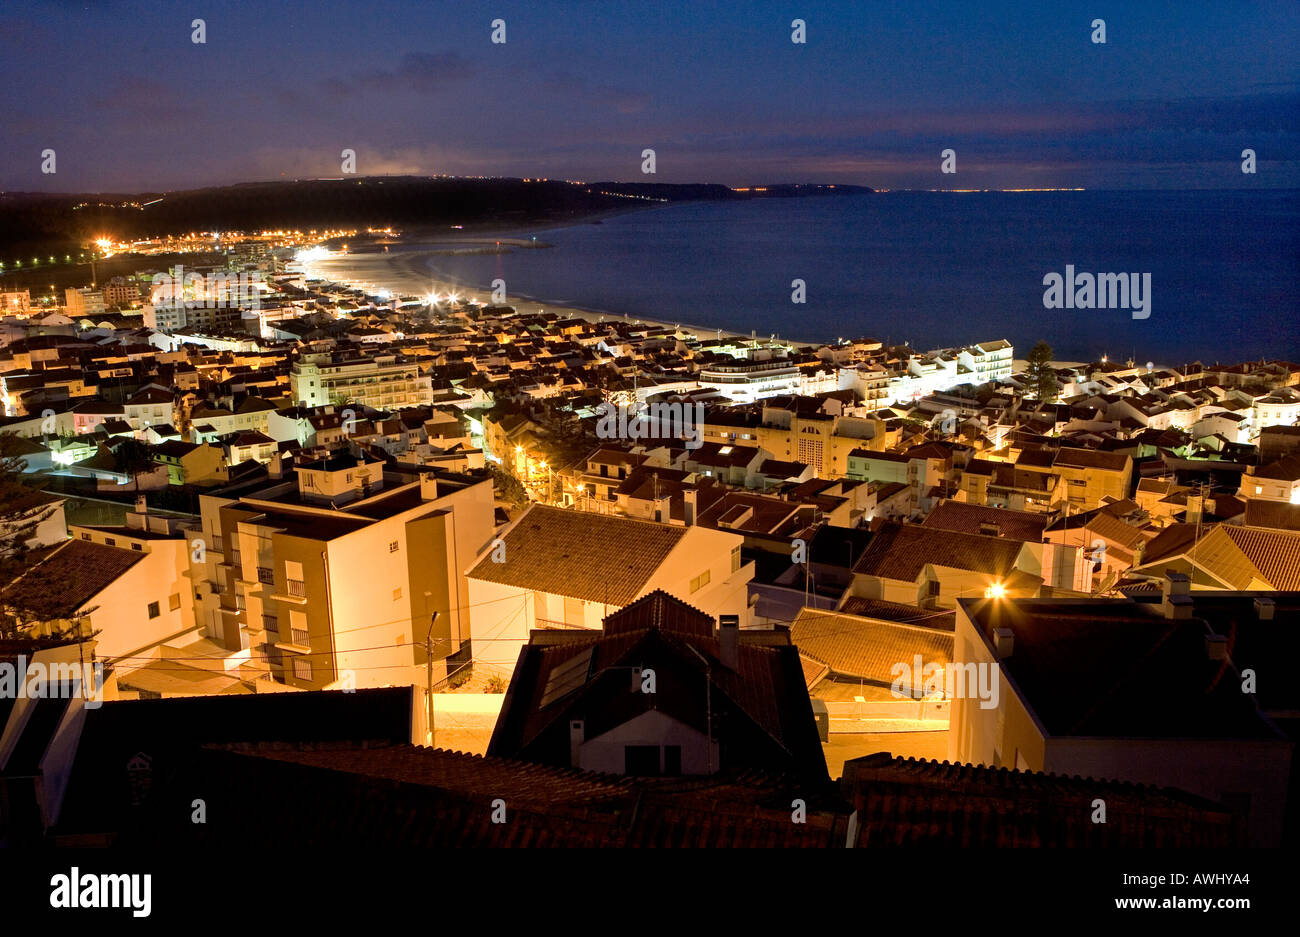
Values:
[(403, 274)]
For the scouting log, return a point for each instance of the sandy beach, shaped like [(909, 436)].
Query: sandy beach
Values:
[(406, 273)]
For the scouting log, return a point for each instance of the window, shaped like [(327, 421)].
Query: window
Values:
[(138, 547), (298, 627), (109, 541), (85, 536), (174, 602), (392, 547), (735, 559), (302, 668), (642, 760), (700, 581), (672, 760), (297, 588), (265, 575), (153, 610)]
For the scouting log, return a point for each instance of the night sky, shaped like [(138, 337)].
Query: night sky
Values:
[(1019, 90)]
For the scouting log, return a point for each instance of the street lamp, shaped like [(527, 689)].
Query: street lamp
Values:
[(428, 674)]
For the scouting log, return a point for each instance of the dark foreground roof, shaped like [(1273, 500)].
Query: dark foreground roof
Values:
[(909, 802), (128, 747), (412, 796)]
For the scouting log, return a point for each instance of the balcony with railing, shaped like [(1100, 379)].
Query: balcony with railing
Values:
[(295, 592)]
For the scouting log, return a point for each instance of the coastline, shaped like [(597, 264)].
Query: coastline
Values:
[(405, 274)]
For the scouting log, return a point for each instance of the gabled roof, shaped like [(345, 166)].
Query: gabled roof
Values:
[(968, 518), (1240, 555), (150, 395), (902, 551), (68, 579), (596, 557), (864, 648), (1286, 469), (586, 676), (658, 609)]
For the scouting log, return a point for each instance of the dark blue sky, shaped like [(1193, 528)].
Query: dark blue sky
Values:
[(1019, 90)]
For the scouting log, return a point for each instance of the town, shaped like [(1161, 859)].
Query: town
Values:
[(332, 531)]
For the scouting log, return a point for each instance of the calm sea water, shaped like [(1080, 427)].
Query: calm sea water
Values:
[(940, 269)]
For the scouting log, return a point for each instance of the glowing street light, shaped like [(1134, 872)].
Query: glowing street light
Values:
[(995, 591)]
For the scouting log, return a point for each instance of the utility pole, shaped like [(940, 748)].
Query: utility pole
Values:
[(428, 674)]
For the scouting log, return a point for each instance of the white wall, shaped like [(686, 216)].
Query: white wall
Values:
[(605, 752)]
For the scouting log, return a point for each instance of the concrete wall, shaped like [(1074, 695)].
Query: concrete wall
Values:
[(606, 752)]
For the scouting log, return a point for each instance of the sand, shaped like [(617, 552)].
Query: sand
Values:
[(406, 274)]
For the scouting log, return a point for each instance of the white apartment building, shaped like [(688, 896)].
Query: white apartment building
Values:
[(988, 361), (381, 381), (747, 381), (931, 373)]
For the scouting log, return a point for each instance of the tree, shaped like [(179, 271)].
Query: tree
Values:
[(1040, 376), (508, 488), (23, 507), (133, 457)]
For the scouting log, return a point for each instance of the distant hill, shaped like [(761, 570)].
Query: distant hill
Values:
[(33, 220)]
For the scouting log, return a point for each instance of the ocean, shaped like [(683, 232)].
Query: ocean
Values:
[(936, 269)]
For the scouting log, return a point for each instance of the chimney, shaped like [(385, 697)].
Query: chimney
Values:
[(577, 735), (1177, 604), (729, 641), (1216, 647), (1264, 608), (141, 505), (276, 468), (1176, 583), (1004, 642), (690, 503), (991, 528)]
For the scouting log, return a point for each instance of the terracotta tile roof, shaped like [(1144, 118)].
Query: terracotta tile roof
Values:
[(1172, 541), (1284, 469), (1268, 554), (968, 518), (910, 802), (410, 796), (761, 705), (1104, 524), (596, 557), (866, 649), (658, 609), (69, 578), (1276, 514), (898, 612), (902, 551)]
